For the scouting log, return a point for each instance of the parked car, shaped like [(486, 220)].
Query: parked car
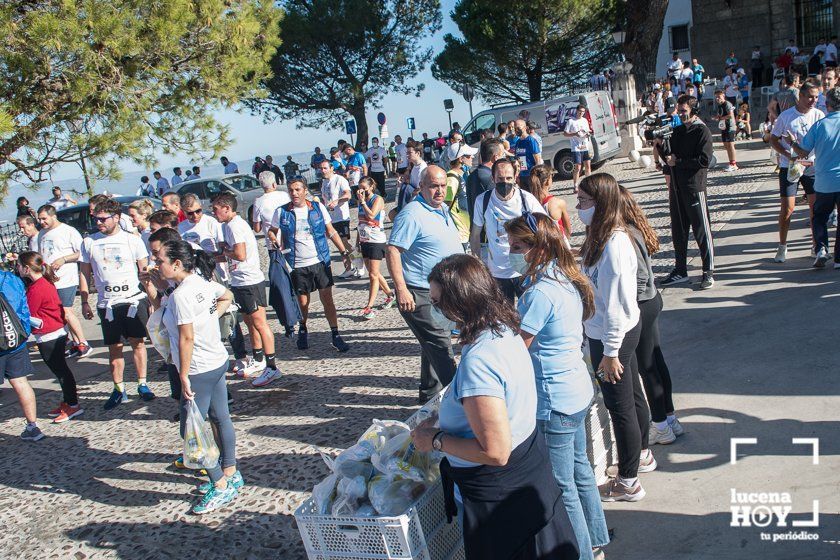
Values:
[(244, 187), (550, 118), (78, 216)]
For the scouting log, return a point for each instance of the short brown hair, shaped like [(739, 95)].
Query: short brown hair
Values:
[(164, 218), (108, 206), (225, 199)]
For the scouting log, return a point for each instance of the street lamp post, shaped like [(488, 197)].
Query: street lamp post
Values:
[(624, 97)]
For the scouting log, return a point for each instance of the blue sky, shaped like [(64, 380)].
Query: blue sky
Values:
[(252, 137)]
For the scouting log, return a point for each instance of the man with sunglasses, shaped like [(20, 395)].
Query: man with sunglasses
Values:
[(115, 258)]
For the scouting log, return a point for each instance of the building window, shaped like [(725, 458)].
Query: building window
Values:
[(679, 37), (814, 21)]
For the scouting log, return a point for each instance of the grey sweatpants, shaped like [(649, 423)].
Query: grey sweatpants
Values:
[(211, 398)]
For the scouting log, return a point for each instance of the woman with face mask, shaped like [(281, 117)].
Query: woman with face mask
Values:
[(487, 426), (557, 299), (609, 261)]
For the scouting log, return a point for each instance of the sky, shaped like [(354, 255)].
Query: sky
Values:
[(251, 137)]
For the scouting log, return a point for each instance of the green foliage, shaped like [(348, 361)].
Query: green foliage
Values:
[(341, 56), (526, 51), (122, 79)]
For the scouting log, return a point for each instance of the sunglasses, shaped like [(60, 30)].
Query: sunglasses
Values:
[(193, 212), (101, 220)]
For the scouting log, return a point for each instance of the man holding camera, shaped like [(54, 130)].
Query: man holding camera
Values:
[(688, 155)]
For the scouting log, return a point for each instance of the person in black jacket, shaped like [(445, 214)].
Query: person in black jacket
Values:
[(689, 155)]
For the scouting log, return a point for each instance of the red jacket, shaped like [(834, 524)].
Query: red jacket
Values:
[(44, 304)]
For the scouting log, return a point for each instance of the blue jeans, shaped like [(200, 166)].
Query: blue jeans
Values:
[(565, 435)]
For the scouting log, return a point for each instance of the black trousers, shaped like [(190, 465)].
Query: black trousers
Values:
[(652, 367), (689, 210), (379, 177), (629, 413), (823, 205), (437, 361), (52, 352), (511, 287)]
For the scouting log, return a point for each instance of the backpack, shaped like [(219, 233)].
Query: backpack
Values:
[(14, 332), (485, 203)]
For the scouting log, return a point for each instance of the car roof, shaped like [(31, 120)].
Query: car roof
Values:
[(122, 199)]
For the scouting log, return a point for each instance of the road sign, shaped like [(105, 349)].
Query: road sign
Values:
[(448, 104), (409, 123), (350, 126), (383, 131), (468, 92), (381, 118)]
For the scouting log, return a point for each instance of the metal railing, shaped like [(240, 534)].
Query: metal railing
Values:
[(12, 240)]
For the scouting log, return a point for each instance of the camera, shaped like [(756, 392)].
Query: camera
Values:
[(658, 127)]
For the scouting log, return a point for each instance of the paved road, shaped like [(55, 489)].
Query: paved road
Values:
[(752, 358)]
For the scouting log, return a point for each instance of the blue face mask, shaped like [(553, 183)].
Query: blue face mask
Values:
[(518, 263), (439, 318)]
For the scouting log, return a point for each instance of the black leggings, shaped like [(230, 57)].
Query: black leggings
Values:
[(625, 400), (52, 352), (652, 366)]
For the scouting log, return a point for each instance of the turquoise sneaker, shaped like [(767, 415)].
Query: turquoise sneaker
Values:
[(214, 499), (236, 481)]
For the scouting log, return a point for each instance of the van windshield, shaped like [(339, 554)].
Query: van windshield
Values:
[(472, 132)]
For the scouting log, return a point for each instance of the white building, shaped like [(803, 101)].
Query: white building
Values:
[(676, 35)]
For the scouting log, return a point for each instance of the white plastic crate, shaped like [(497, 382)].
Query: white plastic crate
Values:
[(421, 533)]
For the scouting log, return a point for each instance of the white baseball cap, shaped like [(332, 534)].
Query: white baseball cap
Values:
[(455, 151), (657, 86)]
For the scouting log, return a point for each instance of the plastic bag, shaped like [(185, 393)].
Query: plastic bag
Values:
[(383, 430), (399, 457), (394, 495), (348, 493), (795, 170), (324, 494), (158, 333), (200, 449), (358, 260)]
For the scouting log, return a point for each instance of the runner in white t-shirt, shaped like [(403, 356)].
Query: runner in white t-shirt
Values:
[(247, 283), (115, 257), (402, 156), (371, 241), (579, 132), (335, 194), (377, 155), (265, 207), (505, 204), (60, 245)]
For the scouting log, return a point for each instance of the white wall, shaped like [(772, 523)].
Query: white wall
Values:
[(679, 12)]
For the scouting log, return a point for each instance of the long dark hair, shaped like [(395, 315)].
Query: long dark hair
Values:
[(539, 181), (192, 259), (603, 188), (35, 262), (634, 217), (471, 298), (549, 246)]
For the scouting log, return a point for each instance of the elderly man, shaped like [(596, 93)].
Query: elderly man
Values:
[(423, 234), (823, 139)]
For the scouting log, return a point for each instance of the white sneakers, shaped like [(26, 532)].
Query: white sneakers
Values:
[(268, 375), (781, 254), (351, 272), (662, 437), (822, 258), (248, 368), (731, 168)]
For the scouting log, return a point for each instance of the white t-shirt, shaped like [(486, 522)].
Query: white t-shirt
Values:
[(59, 242), (247, 272), (499, 212), (730, 84), (60, 203), (417, 173), (376, 157), (206, 234), (194, 301), (799, 124), (402, 157), (830, 53), (264, 209), (576, 126), (305, 252), (331, 190), (113, 259)]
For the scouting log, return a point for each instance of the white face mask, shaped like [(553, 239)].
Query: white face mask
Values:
[(586, 215)]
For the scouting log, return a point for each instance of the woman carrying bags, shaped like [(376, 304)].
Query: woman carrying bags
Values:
[(191, 319), (556, 301), (45, 307), (609, 261)]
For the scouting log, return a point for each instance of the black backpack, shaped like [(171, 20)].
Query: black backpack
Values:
[(485, 203)]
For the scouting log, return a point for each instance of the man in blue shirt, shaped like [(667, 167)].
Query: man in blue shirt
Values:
[(527, 151), (14, 362), (823, 139), (423, 234), (229, 166), (315, 162)]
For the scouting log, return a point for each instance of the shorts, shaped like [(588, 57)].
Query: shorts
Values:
[(124, 326), (17, 364), (373, 251), (249, 298), (401, 170), (580, 157), (786, 188), (312, 278), (727, 135), (343, 228), (67, 295)]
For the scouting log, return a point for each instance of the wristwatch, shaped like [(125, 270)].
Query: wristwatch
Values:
[(437, 441), (344, 253)]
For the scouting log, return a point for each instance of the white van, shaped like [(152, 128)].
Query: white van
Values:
[(550, 118)]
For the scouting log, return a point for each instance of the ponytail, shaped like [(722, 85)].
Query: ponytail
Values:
[(35, 262), (192, 259)]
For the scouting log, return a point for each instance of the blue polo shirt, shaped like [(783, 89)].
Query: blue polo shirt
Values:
[(525, 150), (426, 235), (823, 139), (356, 160)]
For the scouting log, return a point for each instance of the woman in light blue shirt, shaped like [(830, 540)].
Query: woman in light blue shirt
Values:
[(556, 300), (487, 433)]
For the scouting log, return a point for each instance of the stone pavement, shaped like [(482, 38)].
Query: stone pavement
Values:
[(751, 358)]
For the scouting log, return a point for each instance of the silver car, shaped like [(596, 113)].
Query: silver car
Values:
[(244, 187)]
